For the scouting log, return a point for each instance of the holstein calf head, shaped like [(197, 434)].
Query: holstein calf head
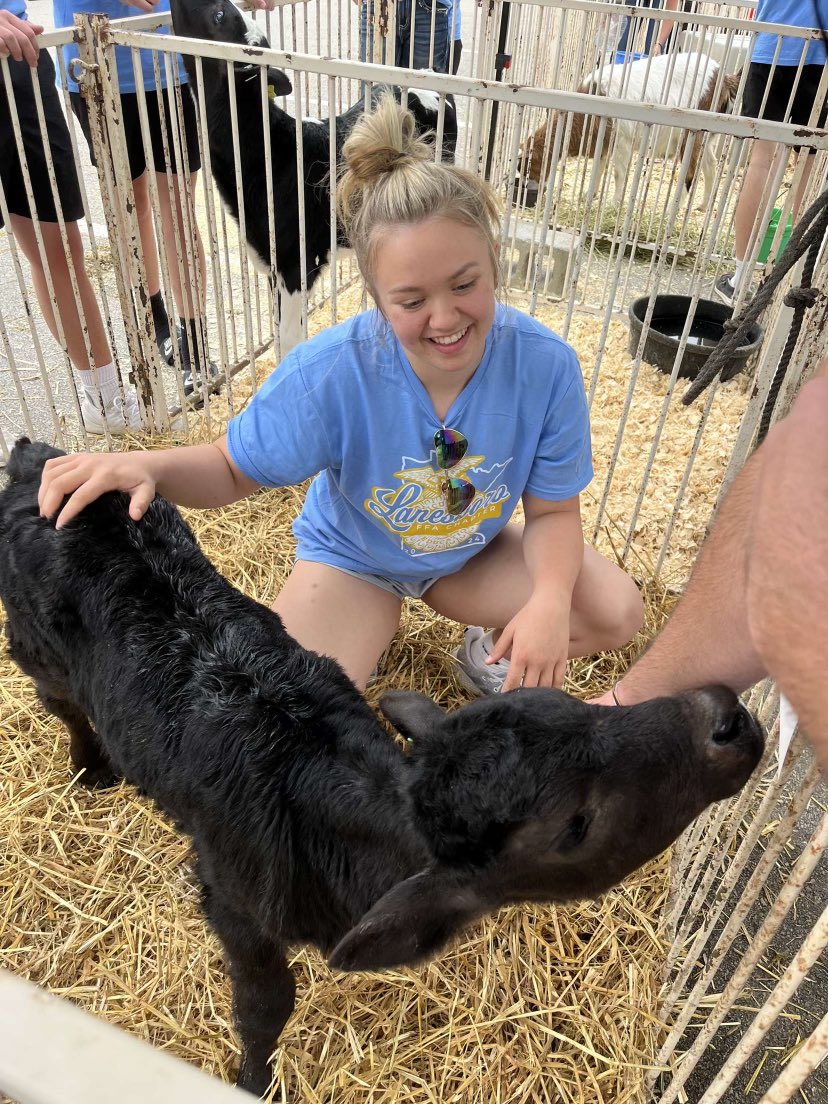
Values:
[(536, 796), (221, 21)]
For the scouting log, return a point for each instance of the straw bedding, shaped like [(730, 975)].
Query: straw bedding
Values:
[(536, 1004)]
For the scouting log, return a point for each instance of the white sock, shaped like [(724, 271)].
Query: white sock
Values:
[(737, 275), (103, 380)]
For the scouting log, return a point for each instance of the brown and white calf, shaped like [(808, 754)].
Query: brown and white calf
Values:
[(679, 80)]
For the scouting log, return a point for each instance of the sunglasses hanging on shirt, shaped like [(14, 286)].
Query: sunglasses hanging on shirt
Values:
[(450, 446)]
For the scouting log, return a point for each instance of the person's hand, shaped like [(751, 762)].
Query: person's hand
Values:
[(538, 639), (18, 38), (265, 5), (86, 476)]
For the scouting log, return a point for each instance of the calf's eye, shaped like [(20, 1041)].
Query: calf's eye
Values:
[(219, 16), (575, 833)]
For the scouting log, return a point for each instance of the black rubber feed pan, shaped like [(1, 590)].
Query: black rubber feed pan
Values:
[(706, 331)]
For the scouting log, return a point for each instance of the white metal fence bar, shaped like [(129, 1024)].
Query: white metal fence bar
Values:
[(562, 99), (812, 1052), (119, 201), (725, 887), (803, 961), (785, 900), (52, 1050)]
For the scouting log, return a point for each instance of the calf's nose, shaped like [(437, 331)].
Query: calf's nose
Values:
[(729, 725)]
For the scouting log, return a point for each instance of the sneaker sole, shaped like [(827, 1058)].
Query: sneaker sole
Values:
[(117, 431), (727, 300), (467, 682)]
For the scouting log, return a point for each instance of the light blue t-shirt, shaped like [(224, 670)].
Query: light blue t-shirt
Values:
[(796, 13), (455, 18), (16, 7), (65, 10), (348, 405)]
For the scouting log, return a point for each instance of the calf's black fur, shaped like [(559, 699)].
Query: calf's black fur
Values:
[(309, 824)]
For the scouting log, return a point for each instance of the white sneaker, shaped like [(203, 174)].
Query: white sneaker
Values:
[(470, 663), (119, 415)]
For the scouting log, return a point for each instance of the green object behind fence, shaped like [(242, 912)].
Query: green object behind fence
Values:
[(764, 252)]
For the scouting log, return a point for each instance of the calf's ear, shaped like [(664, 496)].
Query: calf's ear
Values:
[(278, 81), (413, 715), (409, 924)]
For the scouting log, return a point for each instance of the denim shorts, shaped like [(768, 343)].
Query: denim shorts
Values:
[(393, 586)]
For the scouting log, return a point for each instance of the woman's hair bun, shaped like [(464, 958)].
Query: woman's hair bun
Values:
[(383, 141)]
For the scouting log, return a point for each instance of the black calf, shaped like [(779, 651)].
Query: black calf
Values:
[(309, 824)]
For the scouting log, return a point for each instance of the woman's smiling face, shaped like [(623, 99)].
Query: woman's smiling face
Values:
[(433, 281)]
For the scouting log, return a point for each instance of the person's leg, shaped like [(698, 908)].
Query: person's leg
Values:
[(807, 111), (430, 54), (105, 405), (338, 615), (146, 231), (192, 266), (55, 260), (751, 195), (767, 95), (149, 250), (457, 53), (607, 609), (189, 293)]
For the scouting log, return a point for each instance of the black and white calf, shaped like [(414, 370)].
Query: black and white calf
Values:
[(221, 21), (309, 824)]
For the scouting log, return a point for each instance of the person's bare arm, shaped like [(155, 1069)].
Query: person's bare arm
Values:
[(200, 476), (665, 27), (787, 576), (723, 630)]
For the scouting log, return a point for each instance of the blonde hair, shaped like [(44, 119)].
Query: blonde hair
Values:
[(391, 178)]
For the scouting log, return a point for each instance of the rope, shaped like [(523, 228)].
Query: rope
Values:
[(806, 238)]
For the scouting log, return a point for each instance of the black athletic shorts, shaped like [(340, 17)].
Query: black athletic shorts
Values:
[(132, 130), (60, 144), (780, 93)]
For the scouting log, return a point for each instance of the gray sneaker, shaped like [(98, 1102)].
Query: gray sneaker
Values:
[(725, 288), (470, 665)]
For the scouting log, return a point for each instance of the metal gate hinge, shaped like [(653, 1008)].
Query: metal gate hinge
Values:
[(78, 69)]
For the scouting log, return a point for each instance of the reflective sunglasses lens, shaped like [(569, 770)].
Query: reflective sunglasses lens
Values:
[(457, 494), (450, 446)]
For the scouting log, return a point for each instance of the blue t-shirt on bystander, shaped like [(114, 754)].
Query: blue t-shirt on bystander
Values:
[(794, 13), (64, 16)]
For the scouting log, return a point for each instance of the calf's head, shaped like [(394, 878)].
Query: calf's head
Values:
[(221, 21), (536, 796)]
